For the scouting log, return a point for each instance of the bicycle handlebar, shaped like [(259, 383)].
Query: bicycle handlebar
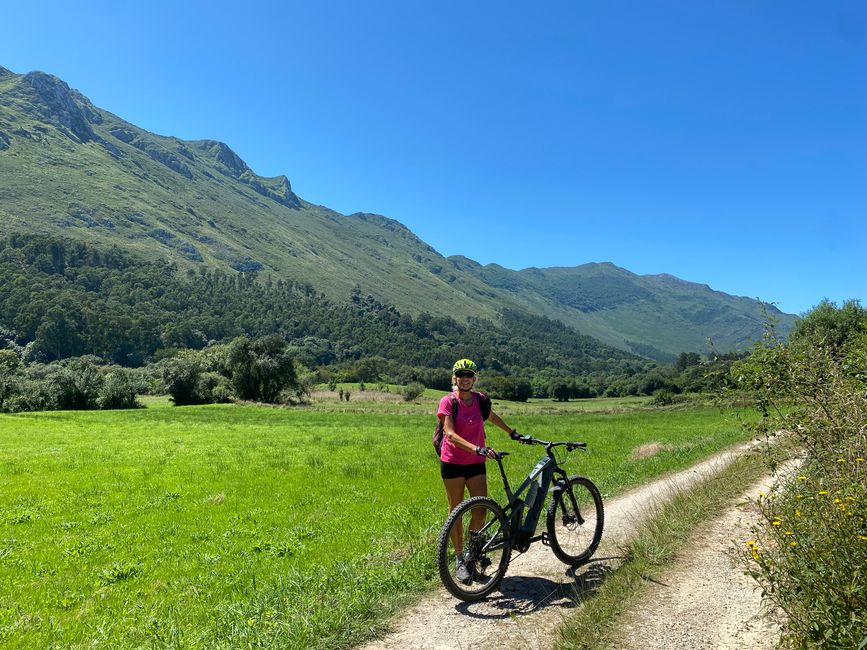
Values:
[(530, 440)]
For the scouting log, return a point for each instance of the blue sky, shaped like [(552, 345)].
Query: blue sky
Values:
[(724, 143)]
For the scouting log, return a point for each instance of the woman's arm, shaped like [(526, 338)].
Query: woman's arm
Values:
[(496, 419), (454, 438)]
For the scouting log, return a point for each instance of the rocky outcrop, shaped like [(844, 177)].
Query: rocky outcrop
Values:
[(228, 163), (59, 107), (277, 189), (162, 155)]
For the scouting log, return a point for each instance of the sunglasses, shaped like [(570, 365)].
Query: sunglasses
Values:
[(463, 374)]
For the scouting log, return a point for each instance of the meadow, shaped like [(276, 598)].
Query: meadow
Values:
[(229, 526)]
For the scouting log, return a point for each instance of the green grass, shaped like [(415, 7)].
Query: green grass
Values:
[(236, 526)]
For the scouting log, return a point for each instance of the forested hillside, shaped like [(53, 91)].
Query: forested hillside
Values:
[(67, 298)]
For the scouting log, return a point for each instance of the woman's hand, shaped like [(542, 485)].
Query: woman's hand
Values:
[(488, 452)]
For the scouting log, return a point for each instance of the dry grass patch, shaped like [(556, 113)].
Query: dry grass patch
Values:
[(649, 449)]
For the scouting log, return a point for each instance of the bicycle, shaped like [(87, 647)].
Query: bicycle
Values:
[(487, 532)]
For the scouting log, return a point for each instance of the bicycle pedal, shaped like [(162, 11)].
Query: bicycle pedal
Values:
[(545, 539)]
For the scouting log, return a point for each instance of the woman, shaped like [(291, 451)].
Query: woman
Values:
[(464, 443)]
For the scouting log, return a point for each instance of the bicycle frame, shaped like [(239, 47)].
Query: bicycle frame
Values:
[(523, 526)]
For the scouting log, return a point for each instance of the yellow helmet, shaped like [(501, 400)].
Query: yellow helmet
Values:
[(465, 365)]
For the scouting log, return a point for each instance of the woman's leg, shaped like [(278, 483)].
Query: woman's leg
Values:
[(478, 487), (455, 494)]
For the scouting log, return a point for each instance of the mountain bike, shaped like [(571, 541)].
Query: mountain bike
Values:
[(487, 532)]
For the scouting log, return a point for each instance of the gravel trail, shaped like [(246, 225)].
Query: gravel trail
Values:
[(532, 600), (704, 600)]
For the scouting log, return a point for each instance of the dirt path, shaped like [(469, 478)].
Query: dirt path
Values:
[(705, 600), (532, 601)]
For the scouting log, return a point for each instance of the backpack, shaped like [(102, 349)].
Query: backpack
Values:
[(439, 433)]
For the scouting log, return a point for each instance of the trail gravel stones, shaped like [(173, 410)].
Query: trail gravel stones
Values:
[(705, 600)]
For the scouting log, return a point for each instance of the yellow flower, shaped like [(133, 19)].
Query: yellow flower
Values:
[(797, 512), (862, 537), (776, 522), (841, 460), (755, 552), (799, 496), (802, 478), (789, 532), (837, 501), (821, 492), (859, 460), (761, 494), (793, 543)]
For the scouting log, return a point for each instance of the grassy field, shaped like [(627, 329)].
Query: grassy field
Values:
[(243, 526)]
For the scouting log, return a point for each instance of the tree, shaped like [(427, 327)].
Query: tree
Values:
[(831, 327), (260, 369), (182, 376), (686, 360), (10, 369)]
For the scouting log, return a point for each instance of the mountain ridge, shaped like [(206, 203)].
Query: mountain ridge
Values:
[(71, 168)]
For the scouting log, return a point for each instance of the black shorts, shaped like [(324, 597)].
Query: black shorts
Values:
[(453, 470)]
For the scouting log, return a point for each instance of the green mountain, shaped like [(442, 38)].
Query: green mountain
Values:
[(73, 171)]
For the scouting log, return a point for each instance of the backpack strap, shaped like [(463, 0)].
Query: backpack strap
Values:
[(484, 404)]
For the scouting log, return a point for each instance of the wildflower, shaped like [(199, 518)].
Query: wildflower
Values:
[(793, 543), (797, 512), (861, 537), (761, 494), (859, 460), (837, 501), (776, 522), (799, 496), (821, 492), (789, 532), (850, 498), (802, 478), (841, 460)]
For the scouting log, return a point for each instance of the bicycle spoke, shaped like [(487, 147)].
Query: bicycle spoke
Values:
[(479, 527), (575, 521)]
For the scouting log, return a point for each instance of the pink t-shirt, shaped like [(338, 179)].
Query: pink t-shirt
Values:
[(469, 425)]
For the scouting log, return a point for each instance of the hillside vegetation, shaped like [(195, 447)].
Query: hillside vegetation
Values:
[(809, 554), (70, 170)]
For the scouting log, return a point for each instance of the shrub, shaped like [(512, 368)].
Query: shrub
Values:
[(662, 397), (117, 391), (412, 391), (182, 377), (810, 551), (75, 384)]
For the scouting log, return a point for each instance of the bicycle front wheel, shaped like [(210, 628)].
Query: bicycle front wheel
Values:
[(575, 521), (479, 526)]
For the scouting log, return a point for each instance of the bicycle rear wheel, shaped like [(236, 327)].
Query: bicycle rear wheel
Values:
[(575, 520), (482, 526)]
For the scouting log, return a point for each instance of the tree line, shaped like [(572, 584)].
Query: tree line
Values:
[(62, 300)]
